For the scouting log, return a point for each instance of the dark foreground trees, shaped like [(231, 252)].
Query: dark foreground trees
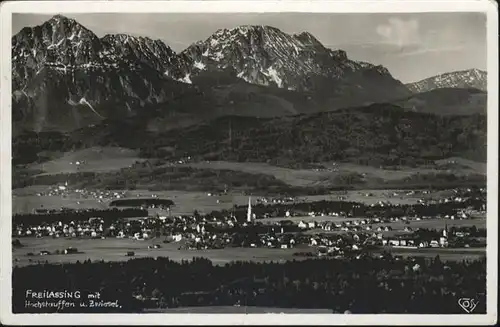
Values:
[(364, 285)]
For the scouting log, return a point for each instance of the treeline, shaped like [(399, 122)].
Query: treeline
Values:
[(363, 285), (140, 202), (167, 178), (28, 146), (357, 209), (81, 215), (376, 135)]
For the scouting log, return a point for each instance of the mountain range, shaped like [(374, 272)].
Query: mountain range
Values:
[(65, 78), (471, 78)]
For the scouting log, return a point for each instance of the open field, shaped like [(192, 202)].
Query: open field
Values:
[(325, 178), (26, 202), (95, 159), (396, 225), (113, 249), (478, 167), (376, 196), (25, 199), (435, 223), (445, 254)]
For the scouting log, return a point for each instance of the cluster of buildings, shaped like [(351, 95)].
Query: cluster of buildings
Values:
[(92, 228), (98, 195), (207, 232)]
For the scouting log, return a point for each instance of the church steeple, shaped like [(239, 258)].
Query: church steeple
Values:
[(249, 211), (445, 230)]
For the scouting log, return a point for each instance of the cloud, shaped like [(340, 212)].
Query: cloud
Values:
[(431, 50), (400, 33)]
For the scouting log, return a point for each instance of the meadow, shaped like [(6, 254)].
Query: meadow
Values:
[(334, 174), (26, 199), (112, 249), (94, 159)]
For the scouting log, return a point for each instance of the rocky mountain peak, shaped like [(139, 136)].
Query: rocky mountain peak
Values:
[(470, 78), (265, 55), (60, 42), (307, 39), (62, 69)]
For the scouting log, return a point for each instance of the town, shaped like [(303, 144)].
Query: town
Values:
[(321, 228)]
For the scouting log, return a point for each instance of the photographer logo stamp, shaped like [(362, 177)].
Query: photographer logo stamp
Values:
[(468, 304)]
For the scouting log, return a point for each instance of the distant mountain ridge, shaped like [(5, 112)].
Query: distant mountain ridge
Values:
[(471, 78), (267, 56), (65, 77)]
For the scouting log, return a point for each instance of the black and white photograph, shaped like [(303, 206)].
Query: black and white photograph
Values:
[(281, 164)]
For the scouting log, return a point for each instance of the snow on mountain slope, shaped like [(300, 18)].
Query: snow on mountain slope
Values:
[(59, 63), (265, 55), (56, 64), (471, 78)]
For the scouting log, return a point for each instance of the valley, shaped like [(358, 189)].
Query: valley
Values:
[(253, 167)]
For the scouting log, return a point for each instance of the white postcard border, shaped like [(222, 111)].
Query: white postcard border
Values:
[(355, 6)]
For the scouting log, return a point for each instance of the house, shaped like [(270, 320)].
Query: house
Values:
[(423, 244), (329, 226), (70, 250), (302, 224), (434, 244), (394, 242), (312, 224)]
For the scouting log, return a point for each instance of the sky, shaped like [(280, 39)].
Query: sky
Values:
[(413, 46)]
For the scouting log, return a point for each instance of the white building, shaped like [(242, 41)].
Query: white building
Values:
[(249, 210)]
